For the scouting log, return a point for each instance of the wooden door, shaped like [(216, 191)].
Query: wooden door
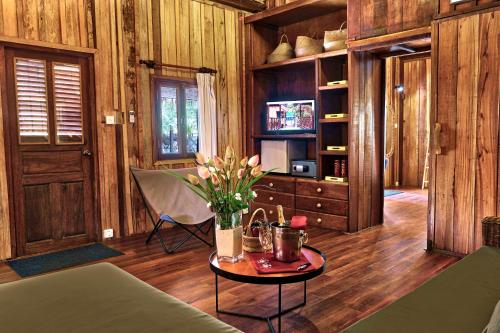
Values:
[(48, 120), (465, 188)]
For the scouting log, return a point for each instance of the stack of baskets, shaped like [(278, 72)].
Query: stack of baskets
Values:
[(251, 243), (491, 231), (282, 52), (306, 46), (336, 39)]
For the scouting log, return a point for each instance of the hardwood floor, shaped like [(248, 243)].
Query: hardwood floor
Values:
[(365, 272)]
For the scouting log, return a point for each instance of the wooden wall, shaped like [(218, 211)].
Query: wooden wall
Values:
[(369, 18), (466, 57), (444, 8), (365, 141), (189, 32)]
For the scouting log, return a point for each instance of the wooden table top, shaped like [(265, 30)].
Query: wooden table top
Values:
[(243, 271)]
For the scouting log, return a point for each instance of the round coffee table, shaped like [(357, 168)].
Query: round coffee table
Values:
[(244, 272)]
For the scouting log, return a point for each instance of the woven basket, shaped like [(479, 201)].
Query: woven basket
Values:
[(335, 40), (251, 243), (306, 46), (491, 231), (282, 52)]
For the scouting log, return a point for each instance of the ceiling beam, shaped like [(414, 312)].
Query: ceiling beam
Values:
[(247, 5)]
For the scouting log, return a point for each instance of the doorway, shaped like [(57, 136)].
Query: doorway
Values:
[(50, 136), (406, 139)]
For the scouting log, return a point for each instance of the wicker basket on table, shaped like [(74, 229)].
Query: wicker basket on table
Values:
[(251, 243), (491, 231)]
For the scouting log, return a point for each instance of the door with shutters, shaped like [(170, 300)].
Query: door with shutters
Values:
[(50, 98)]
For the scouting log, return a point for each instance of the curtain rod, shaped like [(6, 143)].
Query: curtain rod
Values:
[(153, 64)]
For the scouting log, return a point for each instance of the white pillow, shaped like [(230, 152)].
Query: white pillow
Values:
[(494, 324)]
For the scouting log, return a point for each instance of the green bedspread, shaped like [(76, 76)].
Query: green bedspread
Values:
[(97, 298), (460, 300)]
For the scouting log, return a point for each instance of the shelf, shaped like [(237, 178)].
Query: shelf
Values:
[(333, 120), (285, 136), (302, 60), (332, 54), (296, 11), (335, 87), (294, 61), (333, 153)]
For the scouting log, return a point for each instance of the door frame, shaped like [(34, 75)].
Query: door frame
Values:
[(90, 54)]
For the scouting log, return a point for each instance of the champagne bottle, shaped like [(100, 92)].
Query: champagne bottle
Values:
[(281, 217)]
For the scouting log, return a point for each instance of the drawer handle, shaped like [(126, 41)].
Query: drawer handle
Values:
[(319, 190), (319, 220), (271, 212), (318, 205), (271, 198), (271, 185)]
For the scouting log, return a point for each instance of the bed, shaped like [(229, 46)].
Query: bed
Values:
[(97, 298), (460, 299)]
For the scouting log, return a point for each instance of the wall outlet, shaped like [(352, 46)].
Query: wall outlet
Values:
[(110, 120), (107, 233)]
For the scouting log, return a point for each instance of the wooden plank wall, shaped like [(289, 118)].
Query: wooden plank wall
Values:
[(467, 62), (196, 33), (370, 18), (365, 141)]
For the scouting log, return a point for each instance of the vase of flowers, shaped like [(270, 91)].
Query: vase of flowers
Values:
[(226, 185)]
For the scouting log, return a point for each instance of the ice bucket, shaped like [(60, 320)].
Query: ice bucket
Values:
[(287, 242)]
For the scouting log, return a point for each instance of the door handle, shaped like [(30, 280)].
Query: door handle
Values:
[(437, 139), (87, 153)]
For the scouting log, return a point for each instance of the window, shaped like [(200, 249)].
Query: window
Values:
[(176, 118), (33, 98)]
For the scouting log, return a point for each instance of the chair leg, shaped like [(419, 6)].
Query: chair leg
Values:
[(172, 249)]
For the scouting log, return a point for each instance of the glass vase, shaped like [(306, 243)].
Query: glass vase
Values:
[(229, 236)]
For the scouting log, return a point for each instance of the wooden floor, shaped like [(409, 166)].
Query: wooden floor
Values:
[(366, 271)]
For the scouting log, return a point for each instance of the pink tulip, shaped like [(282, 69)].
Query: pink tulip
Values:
[(218, 162), (203, 172), (215, 179), (240, 173), (257, 171), (253, 161), (200, 158), (193, 179)]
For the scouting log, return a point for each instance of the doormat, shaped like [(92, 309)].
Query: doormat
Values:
[(388, 193), (49, 262)]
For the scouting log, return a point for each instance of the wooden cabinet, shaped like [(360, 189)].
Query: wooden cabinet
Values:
[(325, 204), (466, 88), (370, 18)]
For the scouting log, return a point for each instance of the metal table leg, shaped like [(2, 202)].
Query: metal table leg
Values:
[(268, 319)]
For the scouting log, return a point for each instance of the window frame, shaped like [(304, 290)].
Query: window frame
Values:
[(157, 81)]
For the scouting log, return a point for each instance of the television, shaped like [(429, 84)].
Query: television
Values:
[(290, 117)]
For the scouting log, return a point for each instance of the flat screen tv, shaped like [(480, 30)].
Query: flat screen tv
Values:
[(284, 117)]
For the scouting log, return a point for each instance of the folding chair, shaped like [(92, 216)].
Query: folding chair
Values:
[(167, 199)]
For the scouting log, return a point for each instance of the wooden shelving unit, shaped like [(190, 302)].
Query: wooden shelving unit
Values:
[(301, 79)]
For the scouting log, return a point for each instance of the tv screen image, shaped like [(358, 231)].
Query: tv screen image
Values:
[(290, 116)]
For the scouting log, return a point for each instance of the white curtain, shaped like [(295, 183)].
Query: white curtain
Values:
[(207, 114)]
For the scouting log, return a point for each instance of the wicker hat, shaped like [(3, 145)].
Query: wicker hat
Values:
[(335, 40), (305, 46), (283, 51)]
